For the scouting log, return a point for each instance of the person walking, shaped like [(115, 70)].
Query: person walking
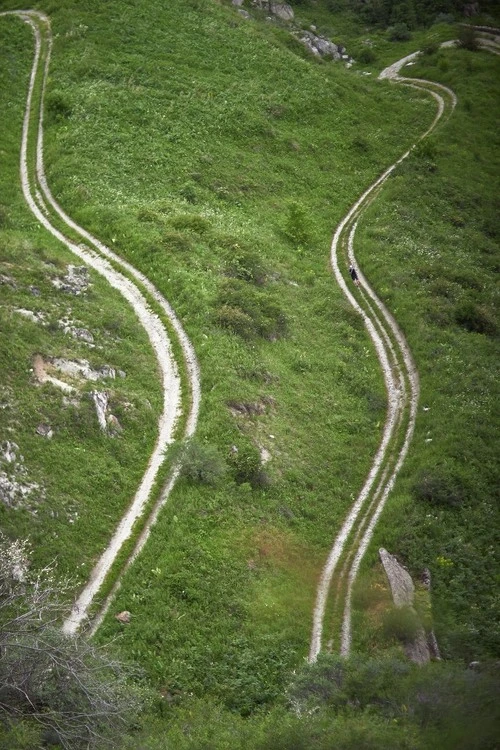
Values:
[(354, 275)]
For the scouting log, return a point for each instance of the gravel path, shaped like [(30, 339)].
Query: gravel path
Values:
[(96, 255)]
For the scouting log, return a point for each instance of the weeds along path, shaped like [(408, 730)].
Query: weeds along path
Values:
[(402, 386), (139, 293)]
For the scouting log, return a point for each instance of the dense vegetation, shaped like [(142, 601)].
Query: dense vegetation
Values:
[(216, 156)]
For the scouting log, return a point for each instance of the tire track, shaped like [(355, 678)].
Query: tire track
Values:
[(402, 387), (95, 254)]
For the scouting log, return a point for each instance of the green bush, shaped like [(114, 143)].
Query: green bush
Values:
[(297, 224), (202, 463), (366, 56), (237, 321), (399, 33), (250, 312), (401, 623), (246, 464), (190, 222), (476, 319), (440, 486), (174, 240), (467, 38), (430, 49), (247, 266), (58, 106)]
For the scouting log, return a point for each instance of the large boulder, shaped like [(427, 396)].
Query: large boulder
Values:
[(281, 10), (319, 45)]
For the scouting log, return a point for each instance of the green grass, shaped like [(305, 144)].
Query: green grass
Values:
[(87, 479), (183, 137)]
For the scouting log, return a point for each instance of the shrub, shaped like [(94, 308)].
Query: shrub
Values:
[(175, 241), (247, 266), (236, 321), (366, 56), (297, 225), (63, 691), (246, 464), (249, 312), (476, 319), (58, 106), (431, 48), (440, 486), (444, 18), (401, 623), (191, 222), (188, 192), (399, 33), (202, 463), (467, 38)]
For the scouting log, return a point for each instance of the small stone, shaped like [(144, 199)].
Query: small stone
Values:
[(35, 291), (114, 425), (44, 430), (123, 616)]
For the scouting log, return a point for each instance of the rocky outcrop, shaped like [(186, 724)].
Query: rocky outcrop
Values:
[(403, 595), (320, 46), (282, 11), (76, 281)]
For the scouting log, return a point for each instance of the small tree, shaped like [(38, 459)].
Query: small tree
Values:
[(467, 38), (70, 692)]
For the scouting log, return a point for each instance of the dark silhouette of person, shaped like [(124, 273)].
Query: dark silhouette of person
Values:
[(354, 275)]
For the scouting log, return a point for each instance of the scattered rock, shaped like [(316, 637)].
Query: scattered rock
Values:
[(35, 317), (8, 451), (114, 426), (123, 616), (282, 10), (45, 430), (82, 334), (265, 456), (15, 489), (76, 281), (35, 291), (238, 3), (7, 280), (474, 665), (100, 399), (81, 368), (251, 408)]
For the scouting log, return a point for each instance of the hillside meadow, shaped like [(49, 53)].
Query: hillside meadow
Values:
[(218, 158)]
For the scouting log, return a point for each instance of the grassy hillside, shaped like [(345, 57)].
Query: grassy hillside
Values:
[(218, 158)]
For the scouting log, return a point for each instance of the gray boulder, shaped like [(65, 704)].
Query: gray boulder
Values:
[(320, 46)]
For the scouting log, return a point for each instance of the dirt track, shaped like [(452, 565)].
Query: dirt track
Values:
[(401, 380), (96, 255), (399, 372)]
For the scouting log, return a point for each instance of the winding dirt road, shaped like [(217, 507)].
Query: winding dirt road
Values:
[(399, 372), (402, 386), (135, 288)]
